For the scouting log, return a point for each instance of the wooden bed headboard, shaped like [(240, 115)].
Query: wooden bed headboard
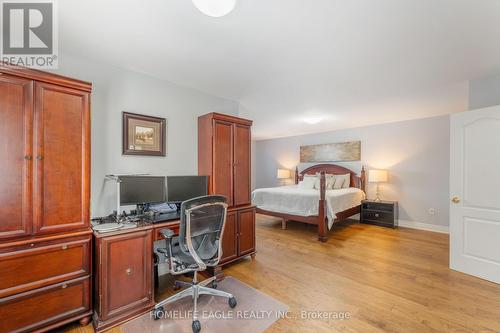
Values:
[(332, 169)]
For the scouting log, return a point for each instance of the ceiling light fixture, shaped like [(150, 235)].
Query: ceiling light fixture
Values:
[(215, 8), (313, 120)]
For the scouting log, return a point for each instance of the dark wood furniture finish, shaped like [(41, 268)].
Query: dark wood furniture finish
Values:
[(45, 243), (62, 127), (224, 154), (239, 235), (38, 265), (230, 238), (16, 138), (124, 280), (382, 213), (321, 219)]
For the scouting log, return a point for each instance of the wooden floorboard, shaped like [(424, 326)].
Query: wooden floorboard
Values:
[(386, 280)]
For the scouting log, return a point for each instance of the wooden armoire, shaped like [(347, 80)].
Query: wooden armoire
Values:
[(45, 236), (224, 154)]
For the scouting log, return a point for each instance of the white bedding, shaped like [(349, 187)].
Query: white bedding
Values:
[(304, 202)]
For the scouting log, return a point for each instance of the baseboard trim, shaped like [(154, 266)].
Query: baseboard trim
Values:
[(424, 226)]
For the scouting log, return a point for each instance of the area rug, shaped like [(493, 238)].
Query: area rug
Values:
[(254, 313)]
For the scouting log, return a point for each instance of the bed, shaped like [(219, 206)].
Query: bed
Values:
[(322, 207)]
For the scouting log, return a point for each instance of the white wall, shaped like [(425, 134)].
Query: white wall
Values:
[(416, 153), (484, 92), (116, 90)]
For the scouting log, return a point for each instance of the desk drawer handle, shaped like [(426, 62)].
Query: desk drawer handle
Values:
[(128, 271), (64, 247), (64, 286)]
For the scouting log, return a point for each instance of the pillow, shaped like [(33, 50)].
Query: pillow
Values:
[(308, 183), (316, 179), (339, 182), (346, 180), (330, 181)]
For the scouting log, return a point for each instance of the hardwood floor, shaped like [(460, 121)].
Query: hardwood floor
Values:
[(387, 280)]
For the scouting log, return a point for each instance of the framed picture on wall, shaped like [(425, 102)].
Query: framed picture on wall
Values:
[(144, 135)]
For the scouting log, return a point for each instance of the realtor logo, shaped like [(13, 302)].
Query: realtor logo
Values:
[(29, 33)]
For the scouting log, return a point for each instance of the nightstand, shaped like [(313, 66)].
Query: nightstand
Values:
[(382, 213)]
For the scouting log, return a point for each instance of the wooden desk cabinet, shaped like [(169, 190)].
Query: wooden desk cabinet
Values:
[(124, 280)]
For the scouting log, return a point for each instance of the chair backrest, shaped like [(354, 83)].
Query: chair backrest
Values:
[(201, 228)]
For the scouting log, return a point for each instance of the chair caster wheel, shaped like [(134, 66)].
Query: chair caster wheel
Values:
[(232, 302), (176, 286), (196, 326), (214, 284), (158, 313)]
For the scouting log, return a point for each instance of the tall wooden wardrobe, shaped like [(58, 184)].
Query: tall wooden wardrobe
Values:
[(45, 236), (224, 154)]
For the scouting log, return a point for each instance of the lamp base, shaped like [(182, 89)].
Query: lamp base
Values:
[(377, 198)]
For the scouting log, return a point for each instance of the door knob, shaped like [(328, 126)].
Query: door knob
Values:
[(455, 200), (128, 271)]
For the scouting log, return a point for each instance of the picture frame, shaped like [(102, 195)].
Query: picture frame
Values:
[(331, 152), (143, 135)]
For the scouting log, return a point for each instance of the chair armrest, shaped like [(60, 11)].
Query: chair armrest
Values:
[(167, 233)]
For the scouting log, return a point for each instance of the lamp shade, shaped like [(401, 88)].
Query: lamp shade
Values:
[(283, 174), (377, 176)]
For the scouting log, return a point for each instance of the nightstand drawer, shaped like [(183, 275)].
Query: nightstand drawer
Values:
[(382, 213), (378, 216), (378, 206)]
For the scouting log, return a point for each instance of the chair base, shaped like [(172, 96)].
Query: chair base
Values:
[(194, 289)]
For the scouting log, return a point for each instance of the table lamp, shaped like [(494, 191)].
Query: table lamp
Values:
[(283, 174), (377, 176)]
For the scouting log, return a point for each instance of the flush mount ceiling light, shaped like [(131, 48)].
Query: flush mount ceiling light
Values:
[(215, 8), (313, 120)]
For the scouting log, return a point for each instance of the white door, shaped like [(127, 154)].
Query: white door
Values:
[(475, 193)]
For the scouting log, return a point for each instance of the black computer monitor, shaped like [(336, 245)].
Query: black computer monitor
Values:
[(136, 190), (182, 188)]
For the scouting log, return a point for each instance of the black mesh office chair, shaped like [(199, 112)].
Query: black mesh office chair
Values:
[(199, 246)]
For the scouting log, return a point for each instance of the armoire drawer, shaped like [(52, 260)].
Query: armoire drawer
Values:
[(34, 309), (36, 265)]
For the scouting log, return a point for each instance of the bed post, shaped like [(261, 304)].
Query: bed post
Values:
[(322, 228), (296, 175), (363, 179)]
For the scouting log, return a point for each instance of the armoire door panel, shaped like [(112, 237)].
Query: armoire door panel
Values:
[(242, 157), (246, 227), (222, 182), (229, 238), (16, 111), (62, 126)]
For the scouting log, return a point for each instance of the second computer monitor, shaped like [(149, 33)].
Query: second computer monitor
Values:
[(182, 188)]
